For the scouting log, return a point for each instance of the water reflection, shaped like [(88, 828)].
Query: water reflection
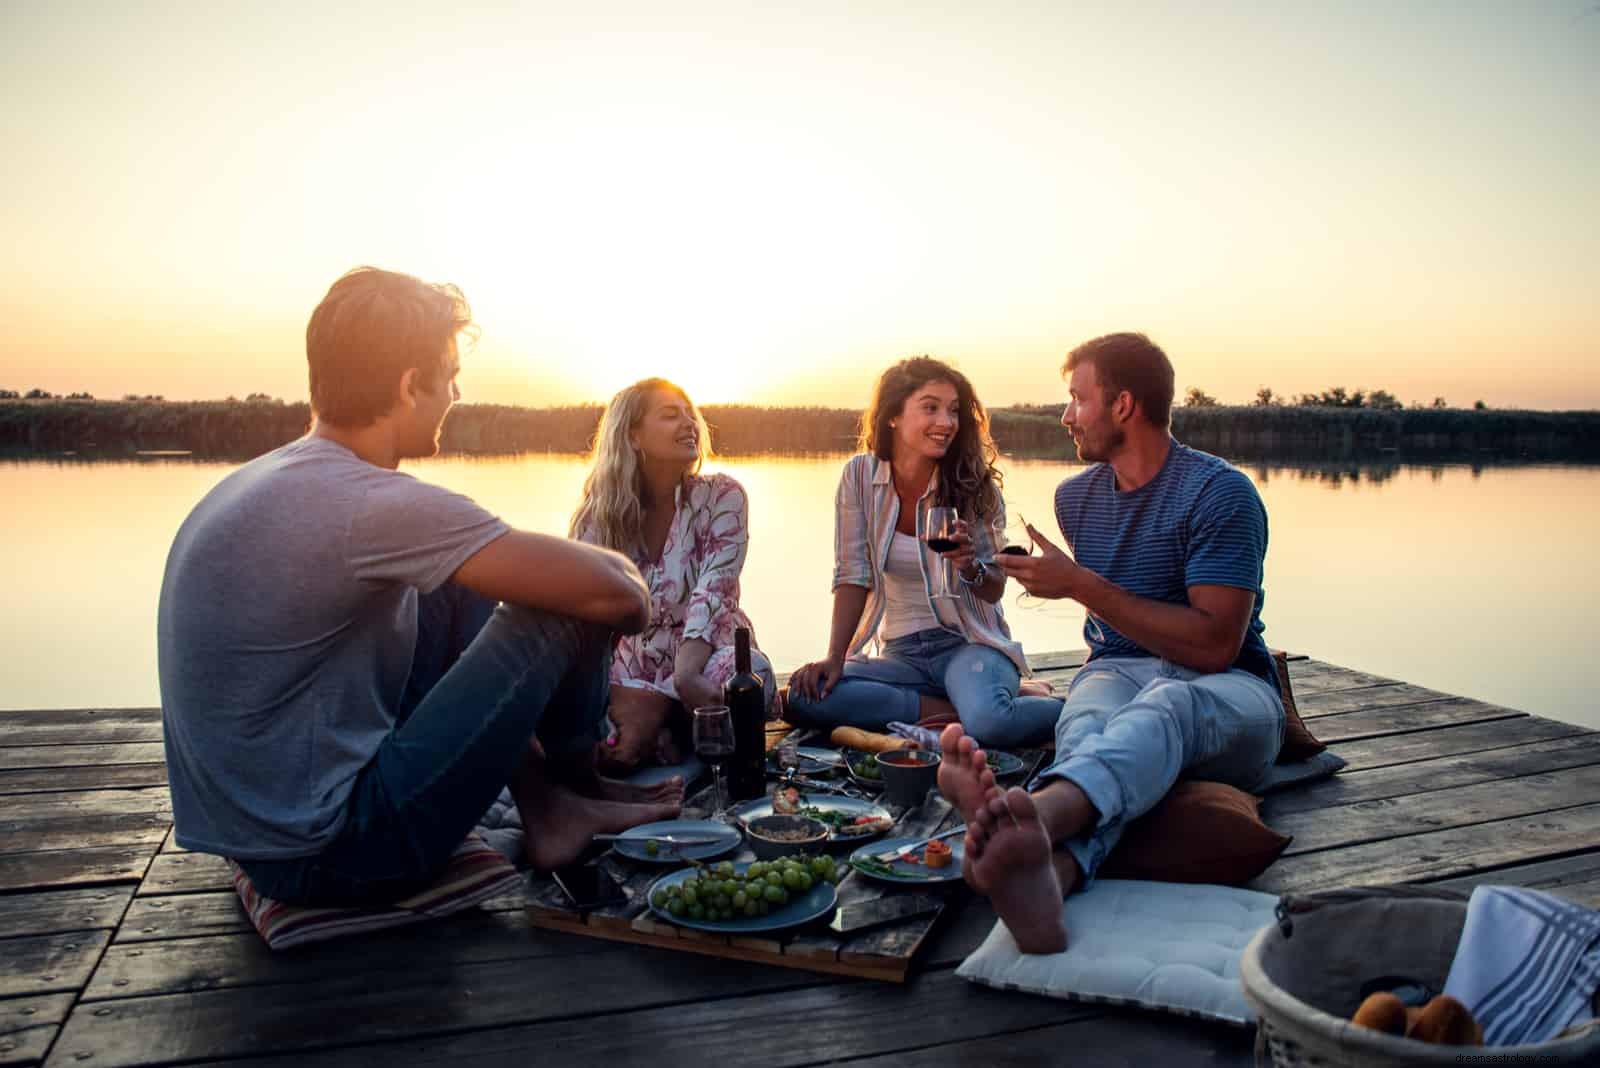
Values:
[(1468, 577)]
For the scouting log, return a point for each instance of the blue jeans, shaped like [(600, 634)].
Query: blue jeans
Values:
[(981, 682), (1132, 725), (525, 674)]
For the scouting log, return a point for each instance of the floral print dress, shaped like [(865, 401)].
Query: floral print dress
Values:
[(694, 590)]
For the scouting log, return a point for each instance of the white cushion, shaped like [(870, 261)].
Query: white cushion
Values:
[(1154, 945)]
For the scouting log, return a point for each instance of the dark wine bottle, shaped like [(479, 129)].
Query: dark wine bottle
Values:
[(745, 697)]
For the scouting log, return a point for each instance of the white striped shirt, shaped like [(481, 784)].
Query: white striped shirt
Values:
[(866, 510)]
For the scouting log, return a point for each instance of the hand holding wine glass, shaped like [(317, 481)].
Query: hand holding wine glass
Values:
[(713, 743)]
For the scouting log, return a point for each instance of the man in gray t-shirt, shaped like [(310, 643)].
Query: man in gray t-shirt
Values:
[(288, 620)]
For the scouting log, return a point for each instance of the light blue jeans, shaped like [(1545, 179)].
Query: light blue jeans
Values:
[(1132, 725), (981, 682)]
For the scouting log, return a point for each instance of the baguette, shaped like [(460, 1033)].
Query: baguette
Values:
[(869, 741)]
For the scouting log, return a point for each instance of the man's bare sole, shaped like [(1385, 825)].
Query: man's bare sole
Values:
[(964, 776), (1015, 864)]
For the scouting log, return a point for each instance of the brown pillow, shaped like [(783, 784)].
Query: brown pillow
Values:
[(1298, 742), (1201, 832)]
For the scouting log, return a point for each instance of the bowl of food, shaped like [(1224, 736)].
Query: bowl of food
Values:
[(775, 836), (908, 774)]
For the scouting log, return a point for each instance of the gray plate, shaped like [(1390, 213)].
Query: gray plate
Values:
[(632, 844), (1004, 763), (762, 806), (818, 901), (907, 872)]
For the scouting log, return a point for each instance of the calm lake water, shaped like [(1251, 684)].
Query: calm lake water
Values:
[(1474, 581)]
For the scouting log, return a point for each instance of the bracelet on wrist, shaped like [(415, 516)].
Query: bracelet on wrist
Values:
[(981, 577)]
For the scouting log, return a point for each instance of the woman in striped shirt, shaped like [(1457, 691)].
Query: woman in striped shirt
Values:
[(926, 443)]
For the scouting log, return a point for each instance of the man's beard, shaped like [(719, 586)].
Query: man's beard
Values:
[(1095, 452)]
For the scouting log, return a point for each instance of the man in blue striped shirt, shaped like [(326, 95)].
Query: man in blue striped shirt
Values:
[(1167, 545)]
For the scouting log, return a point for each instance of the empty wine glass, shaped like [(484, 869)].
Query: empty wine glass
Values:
[(941, 538), (713, 743)]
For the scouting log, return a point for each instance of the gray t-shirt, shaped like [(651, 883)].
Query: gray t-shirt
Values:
[(287, 621)]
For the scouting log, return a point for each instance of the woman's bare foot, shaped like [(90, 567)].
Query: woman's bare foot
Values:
[(666, 749), (637, 715), (665, 792), (964, 775), (1035, 688), (1017, 865), (558, 824)]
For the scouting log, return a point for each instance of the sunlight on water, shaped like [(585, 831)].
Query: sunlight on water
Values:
[(1474, 582)]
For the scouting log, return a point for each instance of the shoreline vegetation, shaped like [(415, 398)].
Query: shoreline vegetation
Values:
[(236, 430)]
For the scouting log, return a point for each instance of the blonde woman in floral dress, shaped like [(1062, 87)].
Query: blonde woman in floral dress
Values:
[(687, 532)]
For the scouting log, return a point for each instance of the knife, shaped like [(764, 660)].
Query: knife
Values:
[(665, 839), (889, 856)]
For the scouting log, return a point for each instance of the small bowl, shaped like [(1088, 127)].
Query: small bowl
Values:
[(771, 837), (908, 774)]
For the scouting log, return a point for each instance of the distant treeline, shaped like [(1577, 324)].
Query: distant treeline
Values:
[(240, 429)]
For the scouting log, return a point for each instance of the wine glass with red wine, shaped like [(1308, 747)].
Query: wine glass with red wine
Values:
[(941, 536), (1011, 538), (713, 743), (1011, 535)]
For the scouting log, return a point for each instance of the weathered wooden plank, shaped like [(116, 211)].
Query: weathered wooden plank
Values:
[(1071, 658), (1317, 705), (1440, 854), (57, 911), (1388, 750), (1117, 1038), (234, 961), (74, 867), (52, 780), (68, 728), (83, 718), (1318, 676), (1418, 777), (183, 916), (72, 820), (15, 757), (28, 1026), (418, 997), (1574, 878), (49, 964), (1379, 722), (1396, 817), (185, 873), (828, 1023)]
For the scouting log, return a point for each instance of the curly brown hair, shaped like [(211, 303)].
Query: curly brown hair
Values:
[(969, 481)]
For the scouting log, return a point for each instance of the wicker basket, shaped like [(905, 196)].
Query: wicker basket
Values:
[(1303, 976)]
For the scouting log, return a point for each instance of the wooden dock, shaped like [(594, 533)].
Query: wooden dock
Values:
[(117, 948)]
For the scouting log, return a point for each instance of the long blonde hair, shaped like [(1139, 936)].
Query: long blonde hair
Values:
[(610, 511)]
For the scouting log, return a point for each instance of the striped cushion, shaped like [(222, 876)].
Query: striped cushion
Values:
[(476, 873)]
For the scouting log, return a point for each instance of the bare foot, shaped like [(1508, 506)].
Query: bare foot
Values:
[(1034, 688), (665, 792), (964, 775), (666, 748), (558, 823), (1018, 867)]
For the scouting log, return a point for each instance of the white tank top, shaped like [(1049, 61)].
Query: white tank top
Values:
[(908, 607)]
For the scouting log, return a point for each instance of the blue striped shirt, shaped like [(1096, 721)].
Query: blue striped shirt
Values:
[(1199, 522)]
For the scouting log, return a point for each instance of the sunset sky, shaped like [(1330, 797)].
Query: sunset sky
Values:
[(770, 202)]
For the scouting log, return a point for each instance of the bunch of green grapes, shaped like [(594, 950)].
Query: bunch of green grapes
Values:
[(722, 892)]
